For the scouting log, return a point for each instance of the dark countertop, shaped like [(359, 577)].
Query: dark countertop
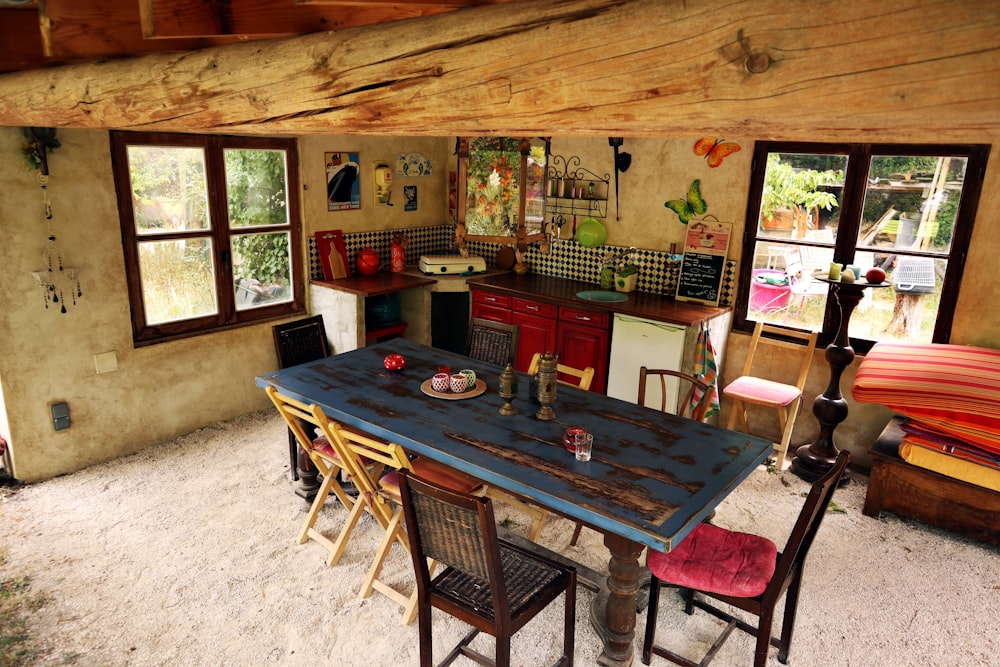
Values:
[(562, 291), (383, 282)]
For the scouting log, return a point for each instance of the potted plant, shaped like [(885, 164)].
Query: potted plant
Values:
[(792, 197), (625, 277)]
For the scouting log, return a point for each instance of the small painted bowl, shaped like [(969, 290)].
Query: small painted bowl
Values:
[(440, 382), (459, 383)]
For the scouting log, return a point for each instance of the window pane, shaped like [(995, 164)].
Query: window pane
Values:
[(168, 188), (907, 311), (256, 185), (911, 202), (177, 279), (801, 195), (262, 264)]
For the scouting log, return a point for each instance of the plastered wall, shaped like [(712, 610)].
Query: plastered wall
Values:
[(161, 391)]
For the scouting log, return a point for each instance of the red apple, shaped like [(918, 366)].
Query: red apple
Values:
[(875, 276)]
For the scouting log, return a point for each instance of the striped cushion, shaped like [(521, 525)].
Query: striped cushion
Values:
[(951, 389)]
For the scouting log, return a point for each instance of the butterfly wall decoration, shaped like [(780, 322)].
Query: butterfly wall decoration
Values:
[(714, 150), (693, 205)]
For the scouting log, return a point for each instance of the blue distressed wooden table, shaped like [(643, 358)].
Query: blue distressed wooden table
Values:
[(651, 480)]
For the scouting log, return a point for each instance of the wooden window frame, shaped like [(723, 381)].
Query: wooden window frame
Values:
[(227, 317), (852, 202)]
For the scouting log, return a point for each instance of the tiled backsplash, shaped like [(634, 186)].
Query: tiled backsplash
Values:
[(658, 270)]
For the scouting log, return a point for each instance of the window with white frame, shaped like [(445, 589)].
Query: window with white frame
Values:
[(210, 228), (906, 210)]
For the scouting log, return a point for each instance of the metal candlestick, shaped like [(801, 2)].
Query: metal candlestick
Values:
[(508, 390), (546, 386)]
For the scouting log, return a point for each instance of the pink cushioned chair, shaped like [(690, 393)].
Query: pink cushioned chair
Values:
[(754, 388), (742, 570)]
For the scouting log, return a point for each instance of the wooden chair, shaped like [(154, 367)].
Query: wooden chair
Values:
[(366, 459), (492, 342), (296, 343), (785, 398), (327, 461), (493, 585), (581, 377), (742, 570), (670, 382)]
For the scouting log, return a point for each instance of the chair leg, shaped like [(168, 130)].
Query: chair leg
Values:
[(293, 450), (317, 505), (393, 533), (424, 632), (651, 611), (337, 547), (763, 637), (503, 650), (786, 417), (788, 622), (576, 534)]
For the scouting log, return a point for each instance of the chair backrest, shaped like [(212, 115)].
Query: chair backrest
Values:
[(583, 376), (702, 401), (806, 526), (805, 348), (297, 414), (300, 341), (455, 529), (492, 342), (365, 458)]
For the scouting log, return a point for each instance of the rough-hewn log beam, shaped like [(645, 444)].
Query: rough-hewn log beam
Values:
[(753, 68)]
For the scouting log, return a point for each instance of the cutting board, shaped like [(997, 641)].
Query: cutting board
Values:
[(332, 254)]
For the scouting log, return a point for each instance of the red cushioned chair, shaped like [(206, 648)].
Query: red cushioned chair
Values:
[(742, 570)]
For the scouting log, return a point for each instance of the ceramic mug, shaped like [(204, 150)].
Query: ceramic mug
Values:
[(470, 377), (459, 383), (440, 382)]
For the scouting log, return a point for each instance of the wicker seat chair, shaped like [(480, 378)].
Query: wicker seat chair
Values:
[(492, 342), (494, 586)]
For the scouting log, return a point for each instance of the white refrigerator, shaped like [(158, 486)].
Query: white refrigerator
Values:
[(639, 342)]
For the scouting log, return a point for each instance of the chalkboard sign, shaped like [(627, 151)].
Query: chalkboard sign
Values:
[(704, 260)]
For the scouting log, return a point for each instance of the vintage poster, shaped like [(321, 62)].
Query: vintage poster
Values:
[(343, 182)]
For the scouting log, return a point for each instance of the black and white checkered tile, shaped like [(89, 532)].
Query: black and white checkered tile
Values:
[(658, 270)]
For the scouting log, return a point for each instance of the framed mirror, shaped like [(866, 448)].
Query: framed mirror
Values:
[(501, 190)]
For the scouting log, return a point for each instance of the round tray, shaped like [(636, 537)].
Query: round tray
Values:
[(426, 387)]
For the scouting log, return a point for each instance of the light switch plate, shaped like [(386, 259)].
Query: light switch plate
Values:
[(106, 362)]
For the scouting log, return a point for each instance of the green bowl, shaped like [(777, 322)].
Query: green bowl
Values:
[(590, 233)]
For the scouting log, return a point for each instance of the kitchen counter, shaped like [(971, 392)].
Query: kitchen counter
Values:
[(562, 291)]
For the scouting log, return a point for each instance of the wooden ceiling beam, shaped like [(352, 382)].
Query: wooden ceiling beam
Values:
[(772, 69), (21, 39), (254, 19)]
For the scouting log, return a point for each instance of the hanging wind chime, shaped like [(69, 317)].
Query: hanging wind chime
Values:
[(56, 279)]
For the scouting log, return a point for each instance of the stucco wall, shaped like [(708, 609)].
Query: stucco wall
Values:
[(165, 390)]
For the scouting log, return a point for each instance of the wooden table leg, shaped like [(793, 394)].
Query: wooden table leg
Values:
[(614, 612)]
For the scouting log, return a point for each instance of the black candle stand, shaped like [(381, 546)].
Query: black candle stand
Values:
[(812, 461)]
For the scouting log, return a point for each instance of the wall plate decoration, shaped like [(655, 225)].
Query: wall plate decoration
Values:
[(412, 165), (343, 181)]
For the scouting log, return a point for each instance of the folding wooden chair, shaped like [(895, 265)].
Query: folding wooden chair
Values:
[(327, 461), (784, 397)]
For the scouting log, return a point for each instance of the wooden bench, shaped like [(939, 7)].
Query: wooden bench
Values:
[(921, 494)]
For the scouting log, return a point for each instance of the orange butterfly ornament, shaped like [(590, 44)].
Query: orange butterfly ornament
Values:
[(714, 150)]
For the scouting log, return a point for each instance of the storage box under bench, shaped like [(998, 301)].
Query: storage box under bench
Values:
[(914, 492)]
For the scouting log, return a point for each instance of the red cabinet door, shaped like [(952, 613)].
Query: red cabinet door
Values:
[(582, 345), (536, 334)]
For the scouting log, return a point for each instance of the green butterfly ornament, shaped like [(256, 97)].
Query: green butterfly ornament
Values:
[(694, 205)]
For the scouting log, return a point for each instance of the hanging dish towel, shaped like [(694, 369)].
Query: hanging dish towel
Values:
[(704, 369)]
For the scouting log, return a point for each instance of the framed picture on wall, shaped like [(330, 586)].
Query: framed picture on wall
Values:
[(343, 181)]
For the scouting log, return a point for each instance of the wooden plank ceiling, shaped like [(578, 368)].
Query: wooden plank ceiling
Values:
[(43, 33)]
